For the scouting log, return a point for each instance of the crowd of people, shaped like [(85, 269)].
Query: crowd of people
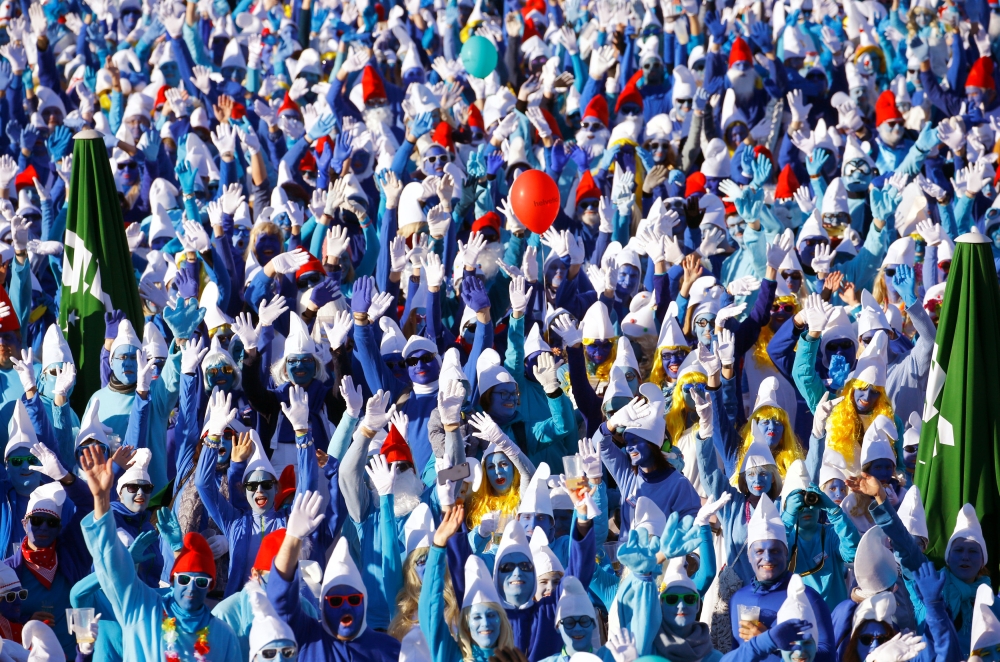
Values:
[(370, 415)]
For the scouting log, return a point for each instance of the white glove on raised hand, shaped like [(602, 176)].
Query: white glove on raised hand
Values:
[(777, 251), (306, 515), (630, 414), (377, 411), (732, 310), (65, 379), (901, 648), (822, 259), (382, 474), (269, 311), (432, 270), (590, 458), (545, 373), (930, 231), (244, 330), (289, 263), (744, 286), (25, 368), (621, 645), (487, 525), (220, 412), (451, 397), (50, 466), (703, 405), (710, 508), (486, 428), (336, 335), (146, 366), (381, 303), (352, 396), (297, 409), (218, 544), (518, 290), (725, 347), (823, 410), (804, 199), (476, 245), (192, 355), (569, 332)]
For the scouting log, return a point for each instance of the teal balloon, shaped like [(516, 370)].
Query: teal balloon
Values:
[(479, 56)]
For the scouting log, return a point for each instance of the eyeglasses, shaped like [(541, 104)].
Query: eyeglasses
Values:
[(425, 359), (39, 520), (272, 653), (525, 566), (337, 600), (783, 307), (507, 396), (226, 369), (838, 218), (31, 460), (844, 345), (395, 365), (251, 486), (572, 622), (200, 582), (591, 126), (103, 447), (868, 639), (443, 158), (703, 322), (674, 598), (133, 488), (16, 595)]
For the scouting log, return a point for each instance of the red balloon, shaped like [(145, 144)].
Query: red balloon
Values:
[(535, 200)]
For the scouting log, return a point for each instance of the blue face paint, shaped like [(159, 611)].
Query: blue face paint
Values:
[(124, 364), (768, 430), (786, 211), (241, 237), (261, 487), (759, 480), (219, 374), (865, 399), (598, 351), (632, 379), (517, 584), (640, 451), (555, 274), (21, 476), (882, 469), (343, 618), (562, 520), (845, 348), (836, 489), (171, 74), (965, 560), (42, 529), (500, 472), (679, 617), (190, 597), (278, 645), (531, 521), (672, 360), (266, 247), (434, 160), (301, 368), (502, 403), (136, 501), (423, 368), (484, 625), (11, 610), (769, 560), (397, 366), (577, 633), (874, 634), (801, 651), (420, 564), (629, 280), (704, 328)]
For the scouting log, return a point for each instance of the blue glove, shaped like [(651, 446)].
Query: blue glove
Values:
[(903, 280), (816, 161), (701, 98), (13, 130), (609, 155), (170, 528), (715, 26), (680, 537), (473, 293), (884, 202), (760, 35), (29, 136), (929, 582), (761, 168), (59, 142), (422, 124), (187, 176), (839, 371), (323, 293), (342, 151), (111, 322), (363, 293), (638, 554), (475, 166), (580, 157), (140, 547), (494, 162), (558, 158), (153, 142), (918, 50), (324, 160), (323, 127), (750, 203), (187, 284), (792, 504), (646, 157), (783, 634), (184, 318), (928, 138)]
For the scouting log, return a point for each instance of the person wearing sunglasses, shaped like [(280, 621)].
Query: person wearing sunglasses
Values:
[(58, 378), (874, 624), (135, 488), (576, 620), (681, 635), (593, 135), (798, 629), (12, 595), (23, 473), (271, 639)]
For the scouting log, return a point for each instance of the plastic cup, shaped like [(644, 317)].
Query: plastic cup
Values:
[(611, 551), (79, 621), (573, 467), (749, 613)]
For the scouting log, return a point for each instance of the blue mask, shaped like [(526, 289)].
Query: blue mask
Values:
[(279, 645), (531, 521), (397, 366), (426, 370), (680, 617), (344, 619), (705, 333), (640, 451), (759, 480), (836, 489), (301, 368), (19, 473), (882, 469), (629, 280), (45, 533), (769, 559), (499, 471), (502, 403), (800, 651), (484, 625), (768, 430), (433, 161), (875, 633), (171, 74), (266, 247), (865, 399), (139, 501), (219, 373), (577, 639), (190, 597), (598, 351), (261, 499), (517, 586), (124, 364)]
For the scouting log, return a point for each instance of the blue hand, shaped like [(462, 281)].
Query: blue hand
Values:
[(184, 318), (58, 143), (494, 162), (580, 157), (715, 27), (646, 157), (323, 127), (558, 157), (475, 166), (783, 634), (816, 161), (839, 370), (474, 295), (609, 155), (638, 554), (13, 130), (323, 293), (187, 284), (761, 170), (29, 136), (187, 176), (884, 202), (903, 280), (363, 293), (153, 142), (342, 151), (760, 33), (111, 322), (929, 582), (422, 124)]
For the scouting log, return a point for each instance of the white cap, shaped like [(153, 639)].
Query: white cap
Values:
[(48, 498), (713, 211), (661, 125), (685, 86), (767, 394), (617, 385), (154, 344), (967, 527), (542, 556), (393, 341), (340, 569), (596, 324), (55, 349), (42, 642), (233, 57), (705, 297), (911, 512), (479, 588), (875, 567), (912, 209), (640, 321), (878, 444), (834, 466), (20, 431), (491, 374), (758, 455), (765, 523), (716, 162), (126, 337), (985, 626), (534, 342), (854, 150), (670, 333), (652, 428), (731, 114), (298, 341), (417, 343), (138, 469), (266, 626), (9, 581), (414, 647), (797, 606), (419, 528), (871, 367), (214, 317), (91, 426), (871, 316), (812, 228), (838, 327), (259, 458), (648, 516), (879, 607), (796, 479), (676, 575), (535, 499), (901, 251)]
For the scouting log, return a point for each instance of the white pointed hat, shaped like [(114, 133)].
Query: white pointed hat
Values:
[(479, 587), (153, 343), (652, 428), (812, 228), (214, 316), (765, 523), (126, 337), (871, 316), (879, 607), (853, 151), (985, 626), (716, 163), (835, 198), (573, 600), (640, 322), (393, 341), (413, 647), (767, 394), (878, 444), (871, 367), (233, 57), (670, 333), (340, 569), (875, 567), (676, 576), (20, 431), (731, 112), (649, 516), (55, 349), (266, 627), (42, 642), (542, 556), (514, 540), (967, 527), (625, 357), (796, 478), (138, 469), (491, 374), (797, 605), (536, 498), (911, 513), (617, 386), (685, 85), (451, 366), (259, 458), (901, 251), (417, 343), (596, 323), (298, 341), (834, 466), (838, 327), (534, 343), (758, 455), (91, 426), (419, 528), (47, 498)]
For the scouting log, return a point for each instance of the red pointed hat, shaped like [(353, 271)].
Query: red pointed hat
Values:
[(488, 220), (25, 178), (553, 124), (308, 162), (312, 265), (587, 189), (885, 108), (533, 5), (372, 86), (289, 105), (529, 30), (695, 183), (740, 52), (981, 74), (788, 184), (630, 93), (395, 447), (286, 486), (598, 107), (195, 557), (442, 135), (9, 323), (475, 120), (269, 546)]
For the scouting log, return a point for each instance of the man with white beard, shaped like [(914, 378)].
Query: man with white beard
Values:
[(751, 95), (897, 153), (594, 133)]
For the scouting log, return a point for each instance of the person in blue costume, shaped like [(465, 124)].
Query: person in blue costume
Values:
[(794, 635), (14, 323), (11, 618), (985, 627), (55, 385), (640, 468), (154, 623), (767, 551), (576, 623), (876, 623), (135, 488), (342, 632), (270, 637)]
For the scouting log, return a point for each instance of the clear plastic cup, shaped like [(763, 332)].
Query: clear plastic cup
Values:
[(749, 613), (78, 621), (573, 467)]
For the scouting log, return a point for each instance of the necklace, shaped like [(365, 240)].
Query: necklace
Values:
[(170, 636)]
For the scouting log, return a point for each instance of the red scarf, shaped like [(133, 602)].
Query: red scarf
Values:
[(41, 562), (10, 630)]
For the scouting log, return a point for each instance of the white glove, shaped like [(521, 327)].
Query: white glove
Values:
[(708, 359), (621, 645), (220, 412), (486, 428), (711, 240), (505, 127), (19, 232), (822, 259), (529, 264), (487, 525), (382, 475), (26, 369), (710, 508), (144, 372), (218, 544), (901, 648), (777, 251), (65, 379), (432, 269), (703, 405), (732, 310), (297, 409), (381, 302), (289, 263), (269, 311), (56, 247), (725, 347), (343, 324), (192, 355), (744, 286), (377, 412), (518, 295), (952, 133), (476, 245), (823, 410), (569, 332), (50, 466), (545, 373), (232, 198), (590, 509), (306, 515), (804, 199), (930, 231), (438, 219), (590, 458), (352, 396), (800, 109), (451, 397), (628, 415), (244, 330)]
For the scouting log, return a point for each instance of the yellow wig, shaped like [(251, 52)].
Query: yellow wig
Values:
[(486, 500), (658, 375), (602, 372), (759, 353), (677, 416), (845, 429), (788, 449)]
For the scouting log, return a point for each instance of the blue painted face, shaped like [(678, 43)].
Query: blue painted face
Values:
[(226, 450), (577, 633), (136, 501), (768, 430), (598, 351), (629, 280), (342, 617), (562, 521), (965, 560), (280, 646), (188, 595), (910, 458), (672, 360), (434, 160), (42, 529), (704, 328), (737, 133), (171, 74), (531, 521), (759, 480), (124, 364), (800, 651), (420, 563), (555, 274), (301, 368), (881, 469), (499, 471), (874, 634), (266, 247), (484, 625), (11, 610), (282, 220), (261, 487), (423, 368), (241, 238), (632, 378), (787, 212), (680, 616), (640, 451), (836, 489), (502, 403), (845, 348), (865, 399), (769, 559), (219, 373), (397, 366), (18, 471), (516, 575)]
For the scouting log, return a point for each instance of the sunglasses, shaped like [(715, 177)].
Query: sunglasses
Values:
[(590, 205), (200, 582), (869, 639), (133, 488), (16, 595), (443, 158), (786, 307), (337, 600), (425, 359), (858, 166), (910, 449), (103, 447), (572, 622), (791, 275), (226, 369), (838, 218), (38, 520), (869, 336), (251, 486), (591, 126), (890, 271), (272, 653), (18, 461), (674, 598), (685, 103), (525, 566), (839, 346), (396, 365)]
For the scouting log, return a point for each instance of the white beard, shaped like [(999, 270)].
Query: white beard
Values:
[(302, 300), (406, 493), (595, 143), (743, 83), (381, 115), (488, 259)]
